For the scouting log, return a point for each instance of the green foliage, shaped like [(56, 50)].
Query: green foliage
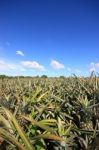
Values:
[(63, 77), (44, 76), (3, 76), (49, 114)]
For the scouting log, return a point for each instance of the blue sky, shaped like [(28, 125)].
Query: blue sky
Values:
[(52, 37)]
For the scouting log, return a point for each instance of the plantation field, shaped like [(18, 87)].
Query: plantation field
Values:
[(49, 113)]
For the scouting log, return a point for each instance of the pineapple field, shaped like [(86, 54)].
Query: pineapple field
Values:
[(41, 113)]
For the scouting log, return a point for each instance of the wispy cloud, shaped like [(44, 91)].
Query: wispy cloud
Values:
[(56, 65), (97, 65), (94, 66), (5, 66), (69, 69), (33, 65), (20, 53), (23, 69)]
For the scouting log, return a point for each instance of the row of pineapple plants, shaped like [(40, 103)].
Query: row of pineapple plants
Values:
[(49, 113)]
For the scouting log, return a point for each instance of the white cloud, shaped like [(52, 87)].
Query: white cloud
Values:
[(92, 64), (33, 65), (97, 65), (57, 65), (20, 53), (5, 66), (94, 67), (22, 69)]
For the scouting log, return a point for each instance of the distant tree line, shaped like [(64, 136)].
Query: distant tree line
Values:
[(5, 76), (2, 76)]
